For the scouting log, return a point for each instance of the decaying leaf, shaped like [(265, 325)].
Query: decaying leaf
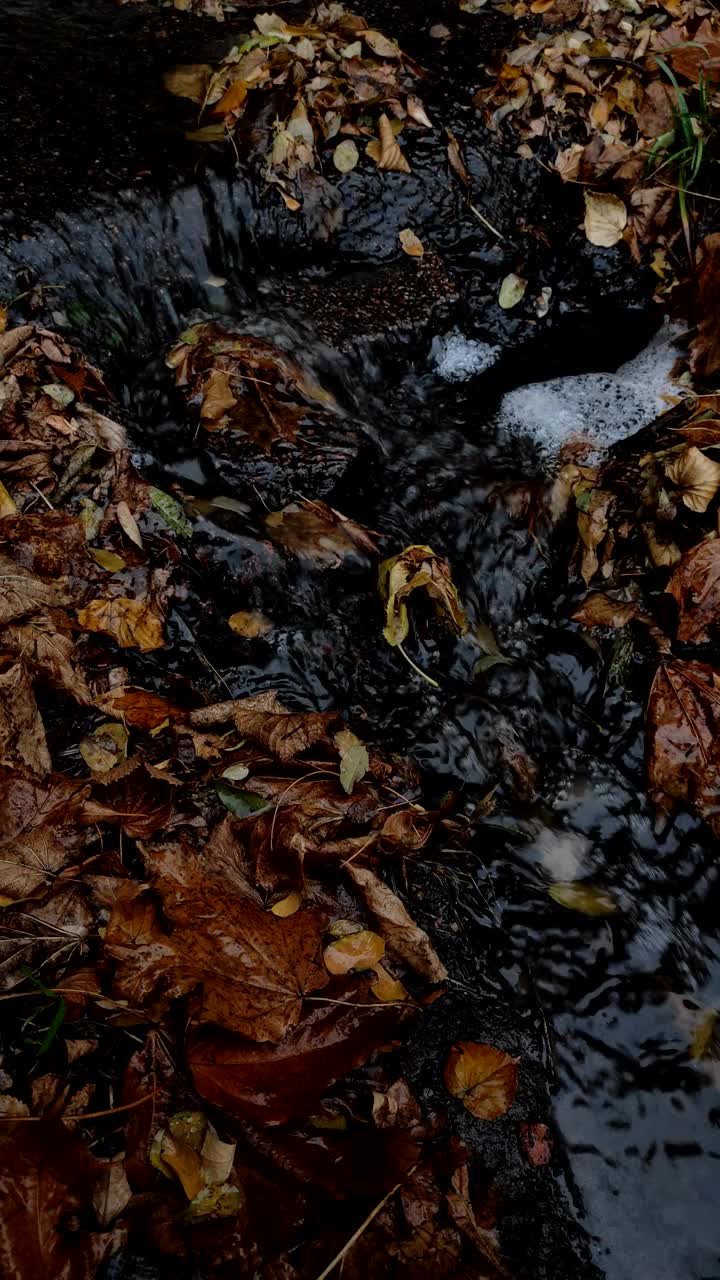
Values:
[(354, 759), (22, 734), (318, 534), (683, 733), (696, 476), (405, 938), (345, 156), (695, 585), (249, 624), (417, 568), (112, 1193), (263, 719), (131, 622), (389, 155), (483, 1077), (605, 218)]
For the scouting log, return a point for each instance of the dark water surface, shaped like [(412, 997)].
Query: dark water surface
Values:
[(608, 1006)]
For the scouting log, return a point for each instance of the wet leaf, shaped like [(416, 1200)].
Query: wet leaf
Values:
[(171, 512), (250, 625), (218, 398), (536, 1144), (512, 291), (345, 156), (184, 1161), (385, 988), (318, 534), (107, 560), (129, 524), (417, 568), (695, 585), (598, 610), (483, 1077), (390, 157), (22, 734), (216, 1202), (605, 218), (250, 969), (357, 951), (288, 905), (241, 803), (138, 707), (696, 476), (188, 81), (411, 244), (455, 160), (354, 759), (263, 719), (112, 1193), (405, 938), (131, 622), (704, 1034), (683, 735), (105, 748), (589, 899)]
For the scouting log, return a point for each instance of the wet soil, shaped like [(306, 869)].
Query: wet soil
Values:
[(138, 235)]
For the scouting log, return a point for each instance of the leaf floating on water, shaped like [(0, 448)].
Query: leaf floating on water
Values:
[(704, 1035), (696, 476), (354, 759), (605, 218), (586, 898), (345, 156), (249, 624), (599, 610), (361, 950), (512, 291), (455, 160), (483, 1077), (417, 568), (411, 244)]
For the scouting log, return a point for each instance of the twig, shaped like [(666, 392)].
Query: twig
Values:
[(363, 1225), (85, 1115)]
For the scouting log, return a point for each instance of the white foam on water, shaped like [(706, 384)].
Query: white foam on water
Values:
[(600, 407), (458, 358)]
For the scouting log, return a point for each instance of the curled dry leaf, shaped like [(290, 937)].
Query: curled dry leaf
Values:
[(132, 623), (483, 1077), (405, 938), (417, 568), (696, 476), (263, 719), (389, 156), (605, 218)]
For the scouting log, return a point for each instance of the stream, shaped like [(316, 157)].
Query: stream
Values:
[(440, 436)]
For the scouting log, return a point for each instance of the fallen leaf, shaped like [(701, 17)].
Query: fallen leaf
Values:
[(138, 707), (185, 1163), (483, 1077), (288, 905), (356, 951), (345, 156), (598, 610), (695, 585), (386, 988), (536, 1144), (512, 291), (380, 44), (354, 759), (188, 81), (218, 398), (683, 736), (171, 512), (250, 625), (455, 160), (586, 898), (405, 938), (250, 969), (318, 534), (705, 347), (389, 157), (417, 568), (411, 244), (593, 524), (112, 1193), (107, 559), (22, 734), (263, 719), (696, 476), (131, 622), (605, 218), (103, 749)]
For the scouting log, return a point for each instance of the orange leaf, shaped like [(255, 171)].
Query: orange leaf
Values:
[(483, 1077)]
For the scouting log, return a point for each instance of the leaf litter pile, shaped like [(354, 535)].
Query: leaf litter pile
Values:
[(206, 977)]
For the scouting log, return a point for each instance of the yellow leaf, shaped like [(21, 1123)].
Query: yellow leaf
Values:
[(188, 81), (128, 524), (249, 624), (3, 318), (483, 1077), (233, 98), (380, 44), (131, 622), (605, 218), (185, 1163), (354, 760), (345, 156), (7, 504), (586, 898), (385, 988), (218, 397), (287, 906), (696, 476), (107, 559), (360, 950), (104, 748), (512, 291), (411, 244), (417, 568)]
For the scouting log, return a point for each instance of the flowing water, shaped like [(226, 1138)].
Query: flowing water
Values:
[(447, 440)]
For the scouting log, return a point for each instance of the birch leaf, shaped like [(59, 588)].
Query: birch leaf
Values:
[(605, 218)]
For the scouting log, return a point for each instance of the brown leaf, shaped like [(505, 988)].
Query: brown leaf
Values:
[(599, 610), (140, 802), (185, 1163), (270, 1083), (23, 594), (263, 719), (705, 349), (132, 623), (250, 969), (655, 115), (536, 1144), (390, 158), (411, 244), (605, 218), (139, 707), (112, 1193), (22, 734), (47, 646), (485, 1078), (41, 830), (592, 526), (399, 930), (683, 735), (54, 932), (454, 154), (696, 476), (695, 585), (417, 568), (318, 534), (47, 1179), (188, 81), (218, 397)]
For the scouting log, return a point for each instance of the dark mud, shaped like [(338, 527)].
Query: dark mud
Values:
[(137, 238)]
